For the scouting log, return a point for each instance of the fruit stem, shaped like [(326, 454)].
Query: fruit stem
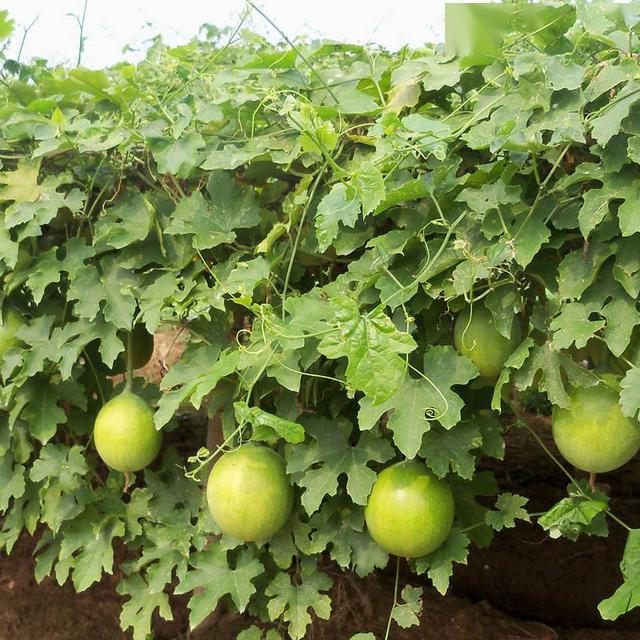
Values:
[(126, 482), (127, 386), (395, 599), (592, 481)]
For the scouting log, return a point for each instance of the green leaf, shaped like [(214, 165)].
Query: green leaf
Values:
[(87, 546), (578, 269), (574, 515), (339, 526), (246, 276), (368, 184), (407, 612), (572, 326), (418, 401), (504, 303), (265, 424), (45, 271), (443, 449), (622, 317), (293, 601), (6, 25), (372, 345), (439, 564), (339, 206), (60, 462), (555, 368), (630, 393), (509, 509), (320, 463), (113, 287), (43, 413), (213, 222), (627, 595), (177, 156), (212, 577), (605, 126), (12, 484), (619, 186), (138, 611), (128, 221)]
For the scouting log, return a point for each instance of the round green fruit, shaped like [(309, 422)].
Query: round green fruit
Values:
[(475, 336), (11, 324), (593, 434), (410, 511), (249, 494), (124, 433)]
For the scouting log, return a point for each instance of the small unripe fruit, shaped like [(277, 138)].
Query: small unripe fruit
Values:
[(476, 337), (593, 434), (249, 494), (410, 511), (124, 433)]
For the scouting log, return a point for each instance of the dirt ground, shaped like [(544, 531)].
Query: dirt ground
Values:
[(525, 586)]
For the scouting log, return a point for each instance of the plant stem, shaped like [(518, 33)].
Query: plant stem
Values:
[(283, 35), (395, 599), (129, 381), (294, 250), (81, 25)]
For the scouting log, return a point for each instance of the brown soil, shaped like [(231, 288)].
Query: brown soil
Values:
[(32, 611), (525, 586)]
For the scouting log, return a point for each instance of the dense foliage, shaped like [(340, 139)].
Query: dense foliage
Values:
[(312, 216)]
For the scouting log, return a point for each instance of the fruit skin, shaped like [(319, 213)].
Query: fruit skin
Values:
[(410, 511), (592, 434), (482, 343), (124, 433), (13, 322), (249, 494)]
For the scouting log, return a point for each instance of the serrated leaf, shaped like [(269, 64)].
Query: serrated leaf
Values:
[(213, 222), (263, 420), (212, 577), (627, 595), (43, 413), (138, 611), (417, 402), (321, 463), (339, 206), (554, 368), (572, 516), (573, 326), (630, 393), (12, 484), (406, 613), (128, 221), (177, 156), (439, 564), (452, 449), (373, 346), (509, 508), (294, 601)]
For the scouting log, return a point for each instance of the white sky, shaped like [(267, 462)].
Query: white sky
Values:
[(110, 25)]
